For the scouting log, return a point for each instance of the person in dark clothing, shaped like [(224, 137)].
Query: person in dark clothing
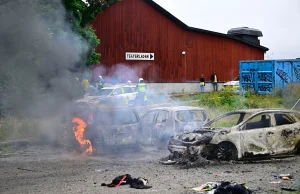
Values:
[(214, 80), (202, 83)]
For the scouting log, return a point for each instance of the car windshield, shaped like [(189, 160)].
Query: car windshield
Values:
[(228, 120), (105, 92), (124, 117), (190, 115)]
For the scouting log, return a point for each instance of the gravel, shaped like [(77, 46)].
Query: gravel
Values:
[(42, 169)]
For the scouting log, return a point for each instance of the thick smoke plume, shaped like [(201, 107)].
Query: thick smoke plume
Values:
[(37, 50)]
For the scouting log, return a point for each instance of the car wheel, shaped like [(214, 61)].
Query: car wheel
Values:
[(226, 151)]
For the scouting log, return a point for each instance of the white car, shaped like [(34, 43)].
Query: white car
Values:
[(234, 85), (117, 92)]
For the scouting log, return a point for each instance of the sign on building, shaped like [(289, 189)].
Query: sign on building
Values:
[(139, 56)]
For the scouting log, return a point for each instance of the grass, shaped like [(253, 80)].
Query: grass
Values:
[(217, 103), (12, 128)]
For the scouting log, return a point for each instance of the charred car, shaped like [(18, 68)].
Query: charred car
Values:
[(160, 124), (242, 134), (115, 127), (109, 126)]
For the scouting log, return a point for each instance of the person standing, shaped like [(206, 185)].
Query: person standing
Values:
[(141, 88), (214, 80), (100, 83), (202, 83), (85, 85)]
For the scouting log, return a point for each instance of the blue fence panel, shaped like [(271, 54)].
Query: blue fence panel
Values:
[(265, 75), (257, 76)]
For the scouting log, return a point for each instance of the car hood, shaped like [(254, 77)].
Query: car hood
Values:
[(198, 137), (231, 83)]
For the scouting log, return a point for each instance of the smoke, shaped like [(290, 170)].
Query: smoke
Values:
[(120, 72), (38, 47)]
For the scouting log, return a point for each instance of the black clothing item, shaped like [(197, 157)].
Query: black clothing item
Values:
[(126, 179), (202, 79), (228, 188), (119, 180), (213, 76)]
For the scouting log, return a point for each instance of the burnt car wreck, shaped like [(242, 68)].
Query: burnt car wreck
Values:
[(243, 134), (104, 127)]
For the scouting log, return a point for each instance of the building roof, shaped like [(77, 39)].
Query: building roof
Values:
[(186, 27)]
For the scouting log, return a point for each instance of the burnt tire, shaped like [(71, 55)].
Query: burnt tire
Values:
[(226, 151)]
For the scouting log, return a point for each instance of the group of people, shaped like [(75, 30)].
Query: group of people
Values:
[(214, 81), (141, 88)]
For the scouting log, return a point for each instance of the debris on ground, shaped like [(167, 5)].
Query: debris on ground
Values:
[(223, 188), (168, 162), (137, 183)]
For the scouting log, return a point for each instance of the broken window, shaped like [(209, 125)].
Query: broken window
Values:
[(149, 117), (117, 91), (297, 116), (190, 116), (227, 121), (162, 116), (259, 121), (284, 119), (117, 118)]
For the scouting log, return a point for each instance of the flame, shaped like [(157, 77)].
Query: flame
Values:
[(78, 130)]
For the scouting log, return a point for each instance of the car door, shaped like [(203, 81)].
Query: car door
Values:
[(160, 124), (130, 94), (256, 134), (148, 122), (118, 95), (285, 136)]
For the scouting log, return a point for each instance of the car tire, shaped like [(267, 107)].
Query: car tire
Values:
[(226, 151)]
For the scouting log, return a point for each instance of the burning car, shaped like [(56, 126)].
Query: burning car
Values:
[(242, 134), (159, 124), (100, 127), (115, 127)]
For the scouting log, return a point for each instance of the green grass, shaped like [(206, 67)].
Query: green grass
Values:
[(217, 103), (12, 128)]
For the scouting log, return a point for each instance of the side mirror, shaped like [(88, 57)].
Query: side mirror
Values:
[(114, 93)]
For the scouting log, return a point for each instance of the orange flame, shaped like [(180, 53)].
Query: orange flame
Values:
[(79, 134)]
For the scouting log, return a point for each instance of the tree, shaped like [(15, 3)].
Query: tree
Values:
[(80, 14)]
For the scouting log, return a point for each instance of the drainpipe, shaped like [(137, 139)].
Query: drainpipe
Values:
[(183, 53)]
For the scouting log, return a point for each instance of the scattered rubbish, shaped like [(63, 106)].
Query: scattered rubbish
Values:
[(245, 171), (207, 186), (27, 169), (101, 170), (168, 162), (275, 182), (137, 183), (229, 188), (288, 189), (223, 188), (285, 176)]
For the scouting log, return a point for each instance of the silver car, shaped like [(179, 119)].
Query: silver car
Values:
[(159, 124), (242, 134), (116, 94)]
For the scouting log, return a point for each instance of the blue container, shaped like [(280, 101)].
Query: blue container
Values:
[(265, 75)]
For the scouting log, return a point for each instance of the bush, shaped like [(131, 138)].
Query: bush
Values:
[(291, 95)]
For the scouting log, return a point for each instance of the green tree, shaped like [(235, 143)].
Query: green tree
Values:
[(80, 14)]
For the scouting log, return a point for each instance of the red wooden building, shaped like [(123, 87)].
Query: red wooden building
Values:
[(181, 53)]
